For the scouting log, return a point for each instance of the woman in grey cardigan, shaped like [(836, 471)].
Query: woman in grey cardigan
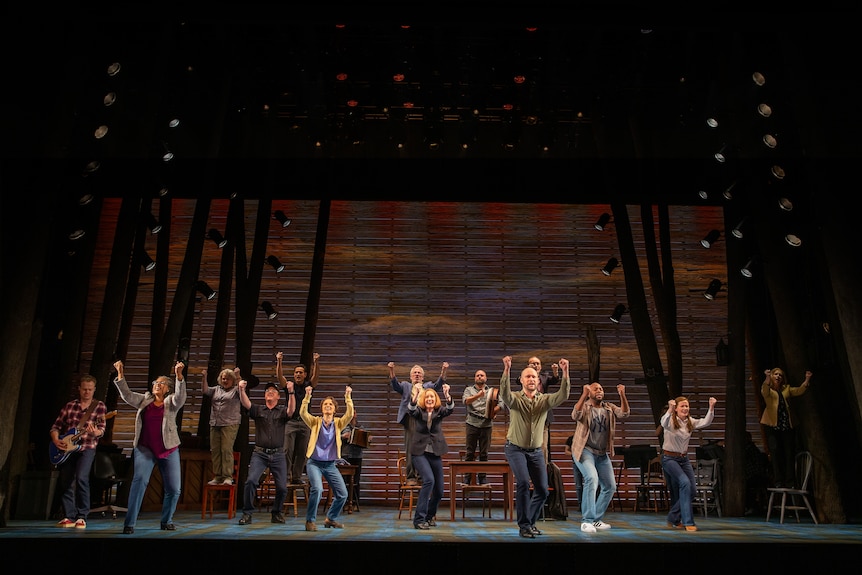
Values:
[(157, 441)]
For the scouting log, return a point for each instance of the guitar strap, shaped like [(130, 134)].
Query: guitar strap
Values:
[(86, 416)]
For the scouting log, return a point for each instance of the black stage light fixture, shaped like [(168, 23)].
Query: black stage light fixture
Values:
[(217, 238), (712, 290), (710, 238), (737, 230), (206, 290), (602, 221), (148, 262), (610, 266), (268, 310), (283, 219), (618, 313), (153, 224), (276, 265)]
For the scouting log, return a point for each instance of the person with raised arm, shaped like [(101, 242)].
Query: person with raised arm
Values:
[(157, 442)]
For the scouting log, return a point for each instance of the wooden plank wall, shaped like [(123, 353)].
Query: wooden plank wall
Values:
[(464, 283)]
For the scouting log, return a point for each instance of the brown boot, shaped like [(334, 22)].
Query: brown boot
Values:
[(310, 526)]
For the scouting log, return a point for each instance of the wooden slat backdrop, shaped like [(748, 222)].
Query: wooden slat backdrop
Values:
[(465, 283)]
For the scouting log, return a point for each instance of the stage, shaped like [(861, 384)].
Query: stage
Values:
[(375, 539)]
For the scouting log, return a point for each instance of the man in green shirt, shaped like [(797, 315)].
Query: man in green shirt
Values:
[(528, 410)]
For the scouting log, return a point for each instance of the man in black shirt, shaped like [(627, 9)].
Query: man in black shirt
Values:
[(296, 433), (270, 420)]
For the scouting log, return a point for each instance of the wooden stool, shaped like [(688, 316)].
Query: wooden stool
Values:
[(292, 490)]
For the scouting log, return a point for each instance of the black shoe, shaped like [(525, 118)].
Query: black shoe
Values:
[(423, 526), (128, 530), (432, 522), (245, 519), (169, 527), (535, 530), (278, 517), (527, 533)]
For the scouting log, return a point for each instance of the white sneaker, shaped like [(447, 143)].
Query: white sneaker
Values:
[(228, 481), (601, 525), (588, 528), (213, 482)]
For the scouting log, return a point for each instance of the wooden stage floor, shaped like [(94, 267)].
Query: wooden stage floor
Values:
[(377, 539)]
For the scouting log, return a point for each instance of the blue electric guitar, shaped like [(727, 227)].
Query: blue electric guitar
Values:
[(72, 443)]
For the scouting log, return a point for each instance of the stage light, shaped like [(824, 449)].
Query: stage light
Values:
[(153, 224), (618, 313), (217, 238), (206, 290), (268, 310), (602, 221), (147, 262), (610, 266), (710, 238), (737, 230), (276, 265), (283, 219), (712, 290)]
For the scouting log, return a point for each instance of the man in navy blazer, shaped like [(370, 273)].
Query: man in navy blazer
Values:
[(417, 376)]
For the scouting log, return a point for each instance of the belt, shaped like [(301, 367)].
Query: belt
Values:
[(527, 449), (673, 453), (268, 450)]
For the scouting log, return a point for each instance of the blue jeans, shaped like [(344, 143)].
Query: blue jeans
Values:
[(277, 465), (528, 465), (316, 471), (579, 484), (143, 461), (430, 468), (599, 485), (75, 483), (681, 483)]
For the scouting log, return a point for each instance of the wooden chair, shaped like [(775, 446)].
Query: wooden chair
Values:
[(804, 463), (634, 457), (216, 492), (707, 496), (266, 494), (485, 490), (292, 499), (407, 494), (653, 488)]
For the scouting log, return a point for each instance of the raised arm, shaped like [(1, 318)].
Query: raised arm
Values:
[(579, 406), (312, 378), (243, 396), (624, 402), (204, 385), (279, 368)]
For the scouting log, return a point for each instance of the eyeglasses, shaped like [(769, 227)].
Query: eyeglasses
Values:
[(156, 381)]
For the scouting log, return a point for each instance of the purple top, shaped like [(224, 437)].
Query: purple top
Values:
[(151, 431)]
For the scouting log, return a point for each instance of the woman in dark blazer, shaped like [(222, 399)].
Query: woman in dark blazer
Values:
[(427, 447)]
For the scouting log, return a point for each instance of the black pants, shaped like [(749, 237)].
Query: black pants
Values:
[(478, 442), (782, 455)]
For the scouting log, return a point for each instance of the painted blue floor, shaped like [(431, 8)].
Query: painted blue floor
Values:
[(378, 536)]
